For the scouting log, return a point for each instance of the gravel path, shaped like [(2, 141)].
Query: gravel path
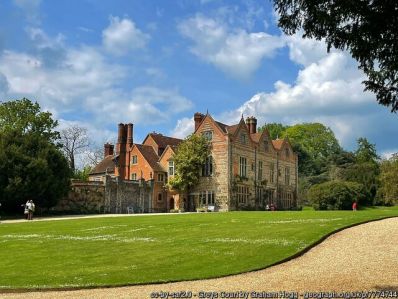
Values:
[(364, 257)]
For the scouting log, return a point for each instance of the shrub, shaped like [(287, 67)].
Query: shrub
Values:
[(336, 195)]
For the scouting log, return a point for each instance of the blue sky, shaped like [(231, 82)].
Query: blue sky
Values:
[(155, 63)]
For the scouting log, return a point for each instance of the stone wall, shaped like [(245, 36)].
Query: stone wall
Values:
[(121, 196), (110, 196), (84, 198)]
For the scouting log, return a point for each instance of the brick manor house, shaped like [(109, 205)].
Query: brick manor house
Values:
[(246, 169)]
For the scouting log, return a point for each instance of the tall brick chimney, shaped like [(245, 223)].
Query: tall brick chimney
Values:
[(108, 149), (129, 135), (198, 117), (251, 123), (121, 150)]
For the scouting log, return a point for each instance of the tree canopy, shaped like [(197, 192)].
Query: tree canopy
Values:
[(388, 191), (366, 28), (32, 165), (188, 160), (26, 117)]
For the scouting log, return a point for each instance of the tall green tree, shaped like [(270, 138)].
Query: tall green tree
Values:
[(315, 138), (366, 28), (32, 165), (275, 130), (366, 152), (388, 191), (26, 117), (188, 161)]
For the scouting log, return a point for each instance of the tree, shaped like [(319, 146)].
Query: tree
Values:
[(366, 152), (25, 117), (275, 130), (188, 160), (315, 138), (367, 28), (82, 174), (74, 141), (388, 192), (31, 163), (31, 168), (335, 195)]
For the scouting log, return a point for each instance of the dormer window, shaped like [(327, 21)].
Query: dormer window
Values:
[(243, 138), (287, 152), (208, 135)]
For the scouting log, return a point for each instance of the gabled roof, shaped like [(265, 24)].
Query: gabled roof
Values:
[(163, 141), (278, 143), (232, 129), (149, 155), (223, 127), (173, 148), (256, 136), (106, 165)]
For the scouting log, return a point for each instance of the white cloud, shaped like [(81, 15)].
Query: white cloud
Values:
[(146, 105), (236, 52), (184, 127), (327, 90), (122, 36), (387, 154)]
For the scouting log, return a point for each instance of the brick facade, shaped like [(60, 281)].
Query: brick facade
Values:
[(246, 171)]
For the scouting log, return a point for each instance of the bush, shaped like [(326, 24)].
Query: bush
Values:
[(336, 195)]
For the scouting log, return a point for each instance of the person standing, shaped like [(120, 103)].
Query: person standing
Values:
[(354, 206), (31, 209)]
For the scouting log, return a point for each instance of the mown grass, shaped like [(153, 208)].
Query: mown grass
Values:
[(135, 250)]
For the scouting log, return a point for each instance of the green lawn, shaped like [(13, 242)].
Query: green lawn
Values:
[(133, 250)]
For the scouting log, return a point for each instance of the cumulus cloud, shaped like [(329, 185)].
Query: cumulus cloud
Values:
[(184, 127), (236, 52), (122, 36), (146, 105), (328, 90)]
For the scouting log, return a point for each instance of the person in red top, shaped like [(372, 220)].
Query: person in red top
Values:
[(354, 206)]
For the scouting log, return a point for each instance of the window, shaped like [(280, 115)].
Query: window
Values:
[(160, 196), (243, 138), (134, 176), (134, 159), (271, 172), (243, 167), (171, 167), (207, 168), (287, 152), (160, 177), (287, 175), (243, 194), (207, 198), (260, 171), (266, 145), (208, 135)]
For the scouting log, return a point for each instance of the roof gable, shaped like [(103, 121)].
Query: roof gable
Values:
[(106, 165), (221, 128), (161, 140), (149, 155)]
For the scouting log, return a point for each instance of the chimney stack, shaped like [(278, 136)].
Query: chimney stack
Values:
[(130, 134), (120, 136), (108, 149), (198, 117), (251, 123), (253, 129)]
